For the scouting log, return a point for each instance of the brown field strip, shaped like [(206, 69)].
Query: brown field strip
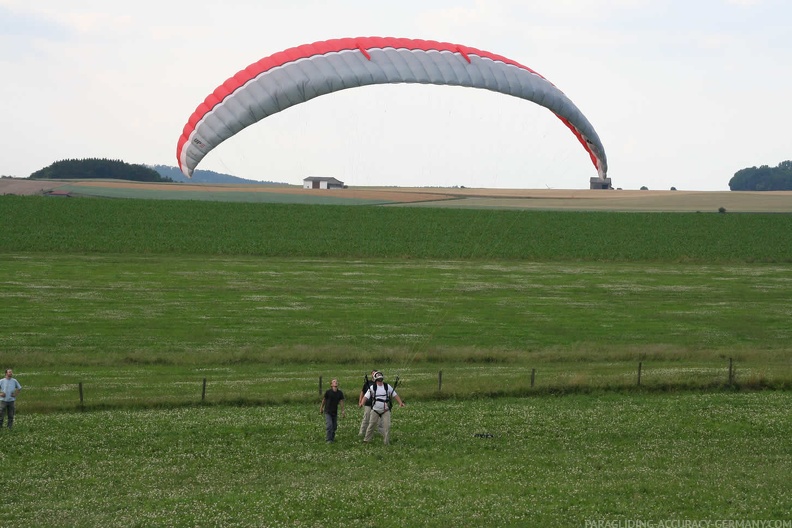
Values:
[(649, 201), (563, 199)]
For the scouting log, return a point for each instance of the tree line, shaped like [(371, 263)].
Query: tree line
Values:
[(95, 168), (764, 178)]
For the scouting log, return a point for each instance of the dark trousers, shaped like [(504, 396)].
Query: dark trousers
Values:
[(7, 408), (331, 424)]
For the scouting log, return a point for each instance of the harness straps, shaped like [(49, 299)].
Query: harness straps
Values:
[(386, 400)]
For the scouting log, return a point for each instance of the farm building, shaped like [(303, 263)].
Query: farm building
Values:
[(321, 182), (600, 183)]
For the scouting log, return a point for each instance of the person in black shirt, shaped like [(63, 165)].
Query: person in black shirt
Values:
[(366, 404), (329, 408)]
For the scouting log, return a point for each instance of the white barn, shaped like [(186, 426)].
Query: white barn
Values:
[(321, 182)]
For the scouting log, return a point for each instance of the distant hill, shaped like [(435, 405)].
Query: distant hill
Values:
[(204, 176)]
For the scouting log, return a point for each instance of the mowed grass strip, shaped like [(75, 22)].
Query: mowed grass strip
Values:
[(176, 308), (507, 462), (40, 224)]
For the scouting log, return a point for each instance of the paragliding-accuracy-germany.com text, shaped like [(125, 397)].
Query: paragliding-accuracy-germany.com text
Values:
[(688, 523)]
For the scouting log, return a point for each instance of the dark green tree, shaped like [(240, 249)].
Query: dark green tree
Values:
[(763, 178), (94, 168)]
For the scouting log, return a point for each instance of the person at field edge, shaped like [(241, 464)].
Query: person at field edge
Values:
[(9, 389), (367, 384), (329, 407), (380, 395)]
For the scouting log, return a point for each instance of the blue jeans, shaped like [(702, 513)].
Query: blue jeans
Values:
[(7, 408), (331, 424)]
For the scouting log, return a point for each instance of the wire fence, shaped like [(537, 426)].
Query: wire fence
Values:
[(416, 383)]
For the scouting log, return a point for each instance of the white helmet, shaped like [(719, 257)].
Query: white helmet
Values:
[(378, 376)]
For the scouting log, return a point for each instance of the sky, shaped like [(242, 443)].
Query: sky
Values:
[(682, 94)]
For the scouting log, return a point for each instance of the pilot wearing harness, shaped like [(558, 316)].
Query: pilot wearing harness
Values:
[(381, 395)]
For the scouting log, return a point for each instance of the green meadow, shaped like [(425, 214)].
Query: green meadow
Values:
[(547, 461), (172, 354), (108, 226), (113, 322)]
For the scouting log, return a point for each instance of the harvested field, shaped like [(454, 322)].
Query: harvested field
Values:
[(631, 200), (27, 187), (547, 199), (396, 195)]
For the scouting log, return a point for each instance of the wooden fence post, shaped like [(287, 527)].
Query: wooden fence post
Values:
[(640, 364), (440, 381), (533, 377), (203, 391)]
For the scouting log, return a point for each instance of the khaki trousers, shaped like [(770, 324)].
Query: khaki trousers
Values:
[(364, 423), (382, 421)]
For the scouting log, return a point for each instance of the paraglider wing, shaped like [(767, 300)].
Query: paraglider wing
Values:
[(299, 74)]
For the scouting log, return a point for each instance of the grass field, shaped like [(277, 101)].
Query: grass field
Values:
[(37, 224), (141, 300), (258, 328), (552, 461)]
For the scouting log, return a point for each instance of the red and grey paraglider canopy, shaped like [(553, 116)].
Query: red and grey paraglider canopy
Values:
[(299, 74)]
